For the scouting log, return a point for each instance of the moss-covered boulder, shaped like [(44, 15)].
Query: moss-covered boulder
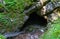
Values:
[(12, 17)]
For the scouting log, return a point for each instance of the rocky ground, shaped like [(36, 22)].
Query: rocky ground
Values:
[(35, 34), (28, 36)]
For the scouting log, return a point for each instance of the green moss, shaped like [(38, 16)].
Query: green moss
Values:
[(13, 16), (2, 37), (53, 32), (55, 1)]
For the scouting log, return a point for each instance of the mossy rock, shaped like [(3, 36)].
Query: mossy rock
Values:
[(13, 17), (10, 23)]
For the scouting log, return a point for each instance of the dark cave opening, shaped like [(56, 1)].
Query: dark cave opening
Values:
[(35, 19)]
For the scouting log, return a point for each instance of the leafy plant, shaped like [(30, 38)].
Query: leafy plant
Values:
[(53, 32), (2, 37)]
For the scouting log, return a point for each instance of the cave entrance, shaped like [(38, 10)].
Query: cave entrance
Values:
[(35, 19)]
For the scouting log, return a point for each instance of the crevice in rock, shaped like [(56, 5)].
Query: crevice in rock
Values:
[(35, 19)]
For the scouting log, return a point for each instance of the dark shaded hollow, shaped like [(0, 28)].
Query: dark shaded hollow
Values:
[(35, 19)]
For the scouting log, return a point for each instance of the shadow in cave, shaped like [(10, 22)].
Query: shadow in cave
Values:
[(34, 19)]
